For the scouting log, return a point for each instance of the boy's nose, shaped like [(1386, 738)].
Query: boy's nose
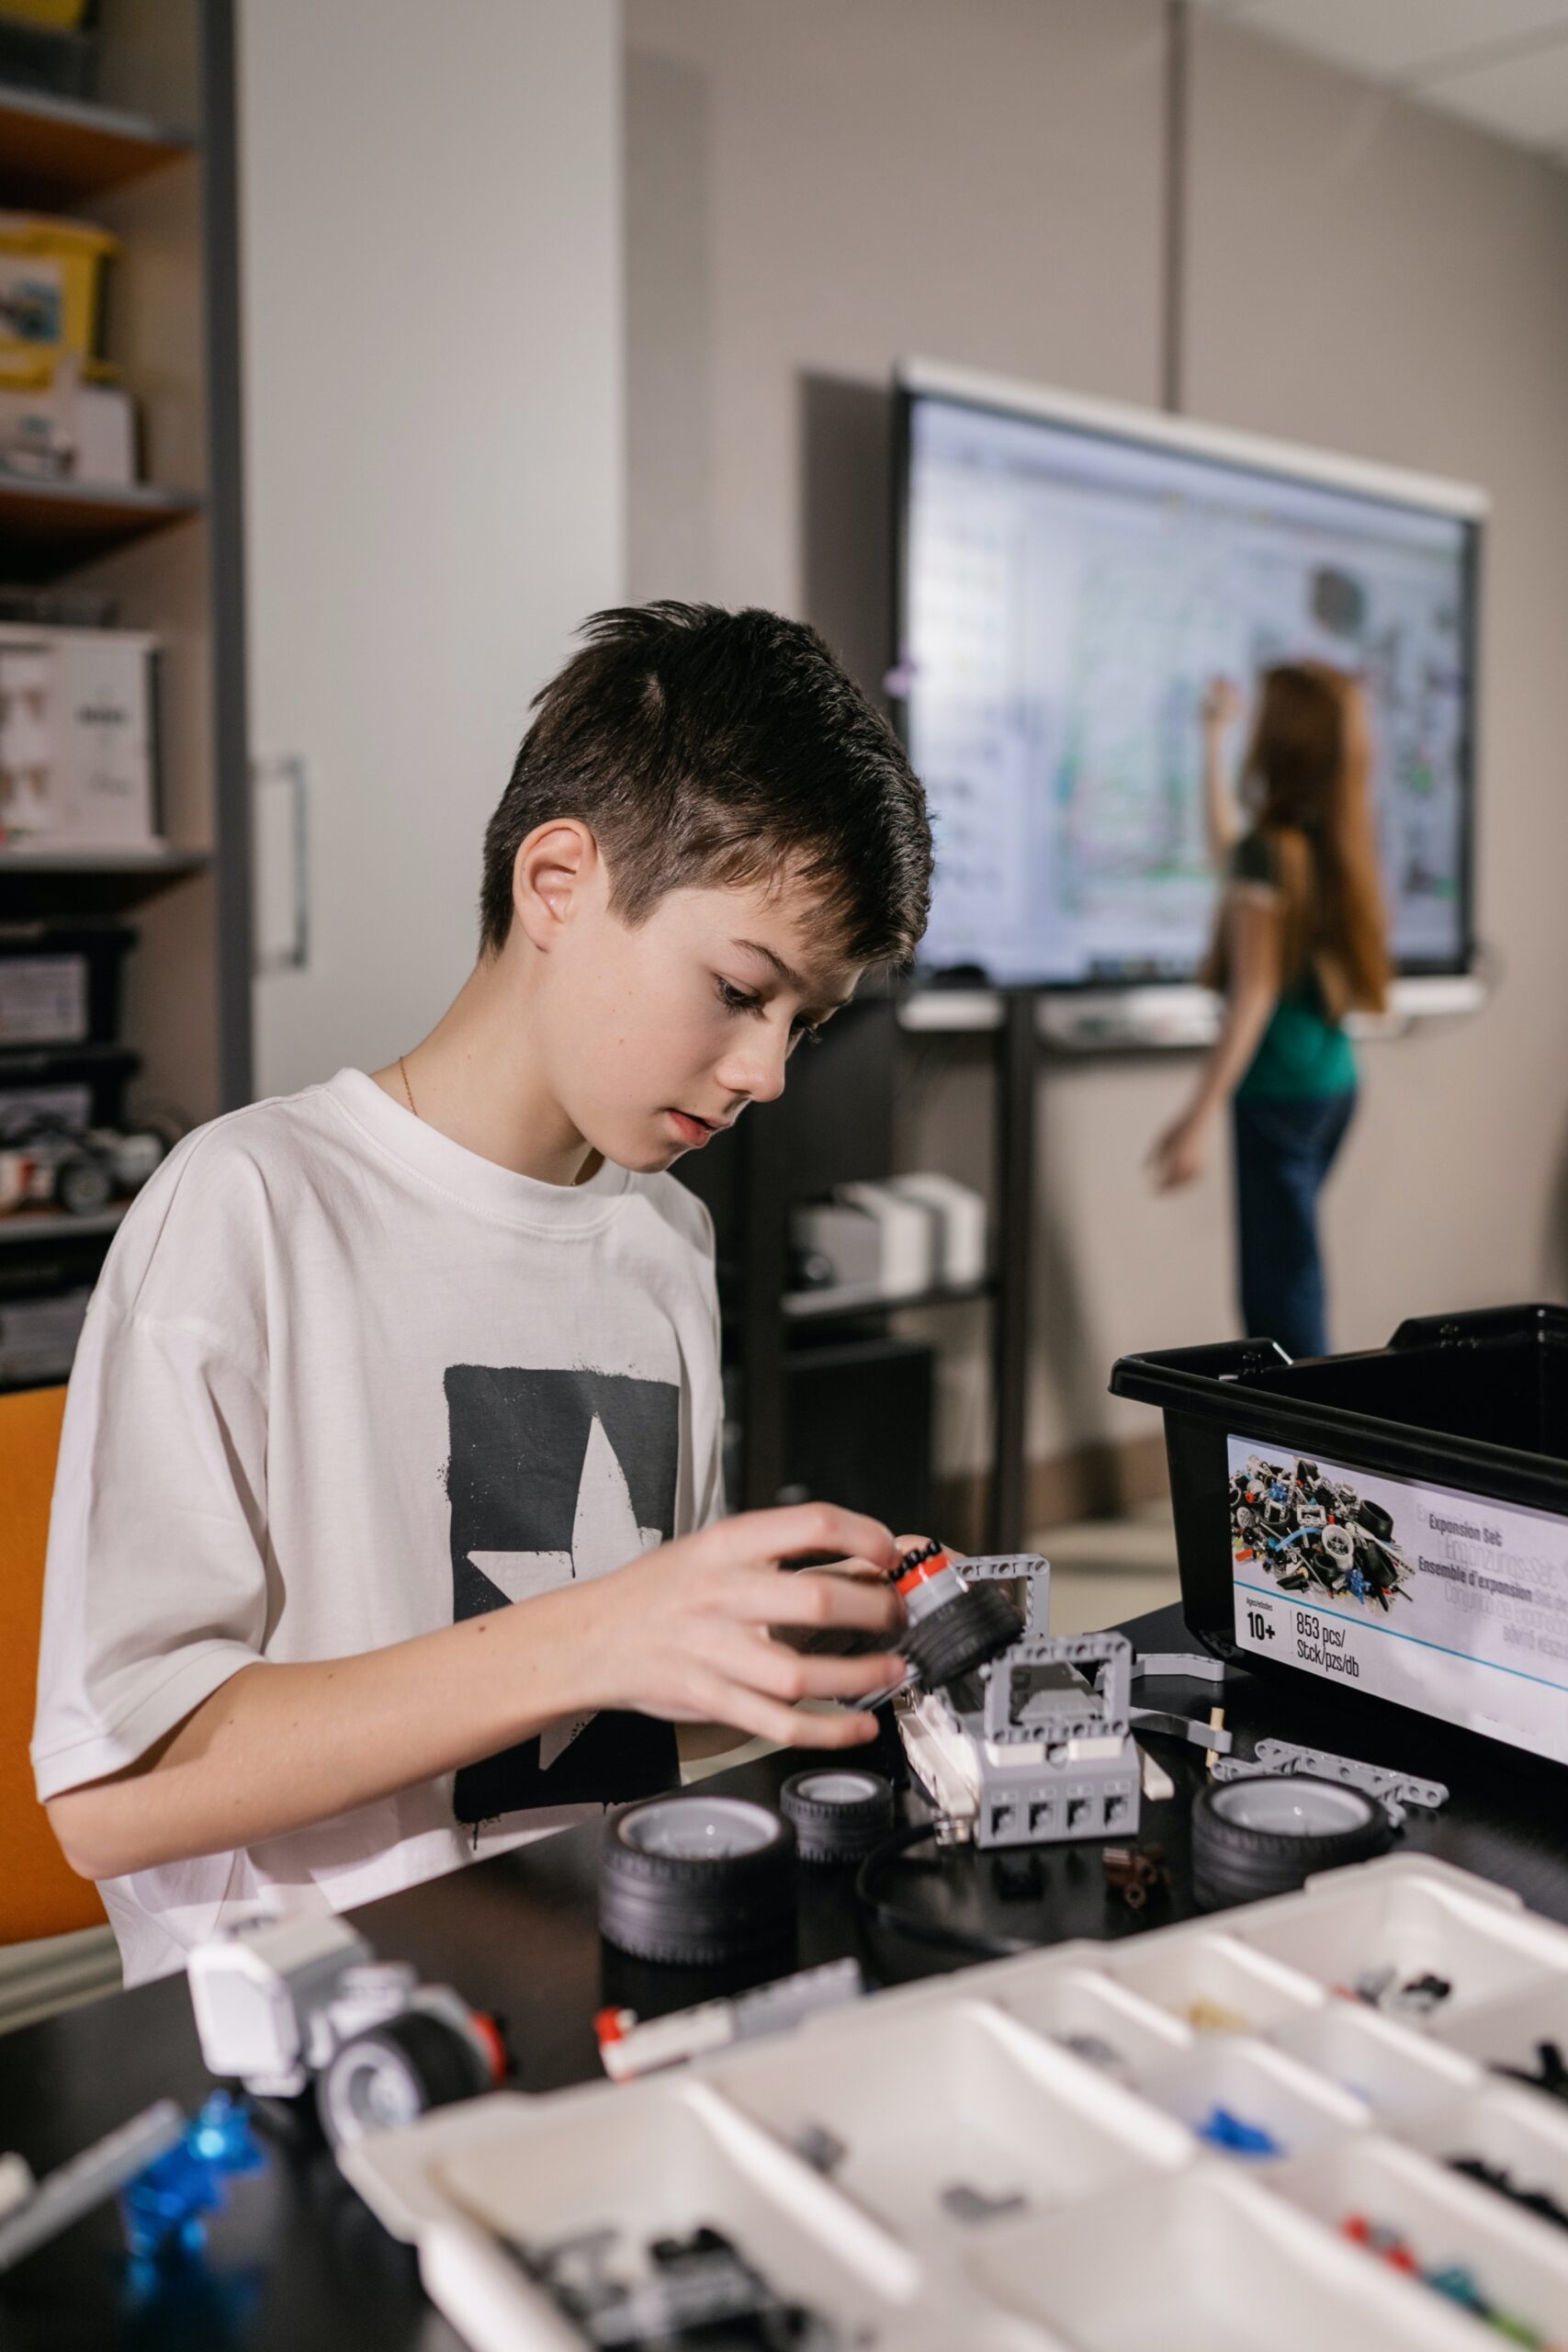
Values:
[(757, 1070)]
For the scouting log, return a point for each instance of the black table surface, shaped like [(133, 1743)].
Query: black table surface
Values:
[(296, 2261)]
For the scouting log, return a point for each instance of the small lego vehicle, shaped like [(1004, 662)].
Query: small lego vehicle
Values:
[(45, 1163), (285, 2001)]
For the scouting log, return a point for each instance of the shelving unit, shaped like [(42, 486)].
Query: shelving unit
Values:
[(826, 1305), (91, 881), (25, 1227), (47, 528), (825, 1129), (150, 157), (61, 151)]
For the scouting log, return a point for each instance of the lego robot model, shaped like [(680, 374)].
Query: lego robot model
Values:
[(1308, 1531), (1017, 1739), (296, 1999)]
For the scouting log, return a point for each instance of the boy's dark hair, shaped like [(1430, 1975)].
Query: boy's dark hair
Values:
[(703, 747)]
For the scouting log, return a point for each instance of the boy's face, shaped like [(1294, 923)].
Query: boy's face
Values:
[(661, 1033)]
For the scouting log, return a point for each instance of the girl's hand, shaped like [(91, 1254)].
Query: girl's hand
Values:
[(1179, 1154), (1222, 704)]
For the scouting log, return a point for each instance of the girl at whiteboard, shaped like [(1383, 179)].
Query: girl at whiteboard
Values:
[(1300, 941)]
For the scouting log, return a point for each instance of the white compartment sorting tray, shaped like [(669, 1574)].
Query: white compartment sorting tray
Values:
[(1129, 2234), (1509, 2032), (1339, 1933), (1207, 2262), (1256, 2086), (1098, 2019), (1519, 2265), (1515, 2131), (1209, 1980), (667, 2157), (939, 2114), (1391, 2070)]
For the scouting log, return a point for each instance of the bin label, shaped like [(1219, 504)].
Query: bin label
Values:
[(1435, 1600)]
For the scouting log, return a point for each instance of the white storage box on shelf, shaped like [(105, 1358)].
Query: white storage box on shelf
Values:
[(78, 739), (1008, 2155)]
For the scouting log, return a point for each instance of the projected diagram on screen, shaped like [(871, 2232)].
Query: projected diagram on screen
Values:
[(1069, 597)]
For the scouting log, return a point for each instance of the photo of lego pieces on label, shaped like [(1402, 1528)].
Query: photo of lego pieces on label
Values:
[(1435, 1600)]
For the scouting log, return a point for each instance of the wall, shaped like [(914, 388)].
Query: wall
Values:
[(431, 208), (817, 190)]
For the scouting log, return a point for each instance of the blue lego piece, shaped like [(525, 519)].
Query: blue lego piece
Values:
[(162, 2207), (1461, 2285), (1222, 2128), (1358, 1584)]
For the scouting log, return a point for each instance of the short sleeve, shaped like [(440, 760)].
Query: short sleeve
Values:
[(1252, 871), (156, 1586)]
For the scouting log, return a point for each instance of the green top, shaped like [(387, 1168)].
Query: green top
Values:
[(1303, 1055)]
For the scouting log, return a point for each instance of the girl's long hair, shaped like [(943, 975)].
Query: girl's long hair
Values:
[(1308, 767)]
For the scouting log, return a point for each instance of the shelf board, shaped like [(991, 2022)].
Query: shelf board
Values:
[(57, 151), (841, 1299), (90, 881), (48, 528), (18, 1227)]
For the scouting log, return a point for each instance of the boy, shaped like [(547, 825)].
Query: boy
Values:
[(385, 1528)]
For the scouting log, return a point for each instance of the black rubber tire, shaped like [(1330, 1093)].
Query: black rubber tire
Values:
[(975, 1625), (82, 1186), (837, 1829), (696, 1910), (440, 2064), (1233, 1862)]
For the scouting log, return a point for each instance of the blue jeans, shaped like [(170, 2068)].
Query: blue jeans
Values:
[(1283, 1151)]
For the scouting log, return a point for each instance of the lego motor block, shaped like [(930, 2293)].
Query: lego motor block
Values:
[(1032, 1747)]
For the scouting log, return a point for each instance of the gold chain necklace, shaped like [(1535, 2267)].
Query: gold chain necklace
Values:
[(408, 1090)]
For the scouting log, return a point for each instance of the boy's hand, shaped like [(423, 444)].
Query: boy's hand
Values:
[(684, 1633)]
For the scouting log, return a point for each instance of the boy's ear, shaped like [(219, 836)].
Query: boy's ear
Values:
[(553, 873)]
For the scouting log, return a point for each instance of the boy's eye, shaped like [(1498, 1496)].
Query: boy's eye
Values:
[(740, 1000)]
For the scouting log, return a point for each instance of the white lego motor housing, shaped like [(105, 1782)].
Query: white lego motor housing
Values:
[(292, 1999)]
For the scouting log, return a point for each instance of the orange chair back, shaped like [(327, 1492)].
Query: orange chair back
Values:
[(40, 1895)]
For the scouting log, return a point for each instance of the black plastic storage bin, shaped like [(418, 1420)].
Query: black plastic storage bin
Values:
[(1392, 1526), (60, 982)]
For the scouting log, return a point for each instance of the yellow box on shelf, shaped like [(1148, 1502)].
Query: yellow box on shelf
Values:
[(51, 285), (58, 15)]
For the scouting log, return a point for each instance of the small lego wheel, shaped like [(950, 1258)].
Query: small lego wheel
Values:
[(1270, 1834), (696, 1879), (977, 1626), (82, 1186), (396, 2071), (838, 1814)]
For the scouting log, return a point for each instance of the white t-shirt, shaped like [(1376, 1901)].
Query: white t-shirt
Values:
[(342, 1381)]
